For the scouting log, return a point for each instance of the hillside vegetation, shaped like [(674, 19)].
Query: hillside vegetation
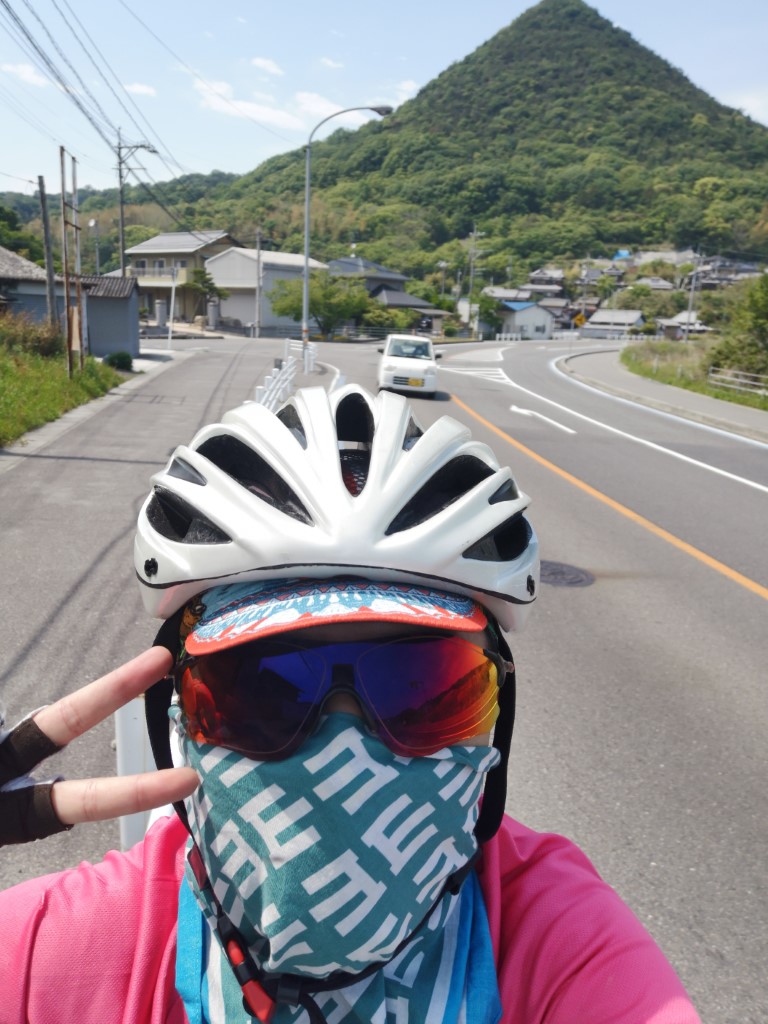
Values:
[(559, 137)]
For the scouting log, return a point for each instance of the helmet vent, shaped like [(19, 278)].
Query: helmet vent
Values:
[(176, 519), (354, 420), (507, 492), (183, 471), (248, 469), (412, 434), (354, 469), (447, 485), (507, 542), (291, 419)]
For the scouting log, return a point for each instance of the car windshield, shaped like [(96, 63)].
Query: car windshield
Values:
[(410, 349)]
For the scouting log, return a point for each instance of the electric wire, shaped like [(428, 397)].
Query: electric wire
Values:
[(107, 65), (197, 75)]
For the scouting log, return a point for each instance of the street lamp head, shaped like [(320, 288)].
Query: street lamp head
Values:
[(382, 111)]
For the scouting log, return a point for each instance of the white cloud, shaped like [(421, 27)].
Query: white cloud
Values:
[(26, 73), (138, 89), (329, 63), (265, 64), (219, 97), (318, 107)]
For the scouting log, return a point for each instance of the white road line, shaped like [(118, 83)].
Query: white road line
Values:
[(540, 416), (622, 433), (647, 444), (652, 409)]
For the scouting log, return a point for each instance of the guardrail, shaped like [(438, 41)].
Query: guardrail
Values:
[(307, 354), (277, 385), (738, 380)]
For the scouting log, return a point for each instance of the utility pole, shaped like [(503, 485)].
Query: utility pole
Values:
[(473, 254), (124, 153), (692, 292), (50, 284), (257, 320)]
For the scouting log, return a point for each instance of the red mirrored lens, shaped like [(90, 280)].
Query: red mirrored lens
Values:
[(429, 692), (263, 698)]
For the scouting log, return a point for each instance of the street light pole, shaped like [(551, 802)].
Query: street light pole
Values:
[(382, 112)]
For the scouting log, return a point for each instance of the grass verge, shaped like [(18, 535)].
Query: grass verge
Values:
[(35, 390), (684, 365)]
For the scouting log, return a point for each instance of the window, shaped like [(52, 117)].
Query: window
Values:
[(158, 264)]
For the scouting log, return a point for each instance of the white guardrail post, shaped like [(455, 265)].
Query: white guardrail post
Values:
[(134, 755)]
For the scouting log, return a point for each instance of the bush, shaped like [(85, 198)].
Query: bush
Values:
[(20, 333), (449, 331), (120, 361)]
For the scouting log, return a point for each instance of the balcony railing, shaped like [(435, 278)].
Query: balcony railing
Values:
[(160, 276)]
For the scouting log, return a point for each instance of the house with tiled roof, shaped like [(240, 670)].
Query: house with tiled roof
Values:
[(165, 263), (612, 323), (110, 305), (22, 285)]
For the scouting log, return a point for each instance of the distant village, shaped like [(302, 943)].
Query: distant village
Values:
[(553, 299)]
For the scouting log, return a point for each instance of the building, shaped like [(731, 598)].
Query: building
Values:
[(235, 270), (163, 265), (527, 320), (374, 275), (612, 323), (113, 315), (110, 304), (23, 286)]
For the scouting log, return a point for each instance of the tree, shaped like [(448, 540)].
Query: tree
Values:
[(204, 287), (332, 300)]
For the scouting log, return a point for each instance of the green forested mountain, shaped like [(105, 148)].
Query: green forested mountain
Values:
[(559, 137)]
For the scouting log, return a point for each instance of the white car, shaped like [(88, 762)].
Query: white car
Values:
[(408, 363)]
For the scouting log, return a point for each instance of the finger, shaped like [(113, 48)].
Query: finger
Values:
[(79, 800), (79, 711)]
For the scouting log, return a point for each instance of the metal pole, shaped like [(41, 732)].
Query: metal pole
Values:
[(81, 300), (382, 112), (50, 282), (173, 305), (691, 294), (121, 202), (257, 322), (305, 291), (65, 258)]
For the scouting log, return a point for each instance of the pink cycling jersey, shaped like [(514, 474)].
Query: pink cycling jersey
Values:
[(98, 943)]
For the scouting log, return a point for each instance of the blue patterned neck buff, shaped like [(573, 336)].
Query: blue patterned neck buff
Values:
[(327, 860)]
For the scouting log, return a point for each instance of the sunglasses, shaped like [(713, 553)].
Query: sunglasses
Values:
[(418, 694)]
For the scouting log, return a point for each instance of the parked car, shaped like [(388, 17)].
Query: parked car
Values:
[(408, 363)]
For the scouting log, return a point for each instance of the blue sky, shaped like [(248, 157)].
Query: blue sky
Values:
[(225, 85)]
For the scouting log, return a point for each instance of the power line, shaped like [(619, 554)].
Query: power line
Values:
[(70, 65), (200, 77), (106, 64), (53, 72)]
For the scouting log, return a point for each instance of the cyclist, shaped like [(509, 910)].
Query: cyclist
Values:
[(337, 584)]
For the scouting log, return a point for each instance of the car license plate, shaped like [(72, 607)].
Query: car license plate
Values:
[(414, 382)]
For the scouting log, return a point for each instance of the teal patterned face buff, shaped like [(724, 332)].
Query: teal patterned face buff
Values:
[(326, 861)]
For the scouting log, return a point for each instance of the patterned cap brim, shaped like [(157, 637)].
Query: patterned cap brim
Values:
[(240, 612)]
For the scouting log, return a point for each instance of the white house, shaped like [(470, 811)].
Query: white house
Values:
[(527, 319), (611, 323), (235, 270)]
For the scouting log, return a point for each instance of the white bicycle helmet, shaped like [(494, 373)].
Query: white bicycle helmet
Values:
[(339, 484)]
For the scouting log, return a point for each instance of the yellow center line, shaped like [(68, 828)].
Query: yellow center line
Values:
[(670, 538)]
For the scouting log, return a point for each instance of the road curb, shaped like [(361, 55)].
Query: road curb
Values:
[(752, 433)]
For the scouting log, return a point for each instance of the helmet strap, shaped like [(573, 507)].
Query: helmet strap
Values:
[(495, 791)]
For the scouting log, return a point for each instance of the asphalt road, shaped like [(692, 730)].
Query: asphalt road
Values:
[(642, 718)]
